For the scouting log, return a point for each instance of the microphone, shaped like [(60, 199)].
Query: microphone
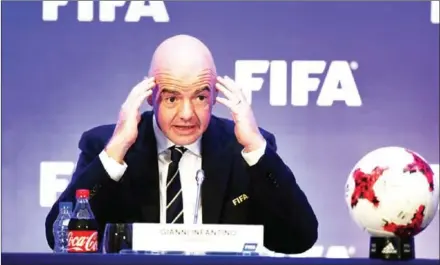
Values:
[(200, 177)]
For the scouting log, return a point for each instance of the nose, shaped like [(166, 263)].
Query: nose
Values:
[(186, 111)]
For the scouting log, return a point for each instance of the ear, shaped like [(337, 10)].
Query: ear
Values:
[(215, 95), (150, 98)]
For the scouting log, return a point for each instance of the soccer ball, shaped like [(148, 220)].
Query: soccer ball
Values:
[(392, 191)]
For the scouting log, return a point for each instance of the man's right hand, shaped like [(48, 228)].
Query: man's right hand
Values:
[(126, 130)]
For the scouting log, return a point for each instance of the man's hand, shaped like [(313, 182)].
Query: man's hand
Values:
[(246, 128), (126, 130)]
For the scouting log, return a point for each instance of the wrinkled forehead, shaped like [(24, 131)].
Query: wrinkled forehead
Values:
[(186, 76)]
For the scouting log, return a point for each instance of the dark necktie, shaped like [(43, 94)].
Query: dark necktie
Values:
[(174, 189)]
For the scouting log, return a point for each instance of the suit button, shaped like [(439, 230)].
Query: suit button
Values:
[(94, 190), (274, 181)]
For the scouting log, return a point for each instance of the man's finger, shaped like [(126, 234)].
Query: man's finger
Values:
[(136, 102), (144, 85), (139, 93), (221, 80), (147, 84), (231, 85), (144, 96), (140, 88), (225, 91), (225, 102)]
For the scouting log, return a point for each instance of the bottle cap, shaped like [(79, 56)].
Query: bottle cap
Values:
[(82, 193), (65, 205)]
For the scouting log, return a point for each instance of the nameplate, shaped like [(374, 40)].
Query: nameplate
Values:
[(197, 238)]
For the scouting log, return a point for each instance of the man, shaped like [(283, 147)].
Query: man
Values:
[(143, 168)]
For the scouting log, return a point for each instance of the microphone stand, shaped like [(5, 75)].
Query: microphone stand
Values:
[(200, 177)]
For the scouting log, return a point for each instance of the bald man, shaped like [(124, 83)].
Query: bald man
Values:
[(143, 168)]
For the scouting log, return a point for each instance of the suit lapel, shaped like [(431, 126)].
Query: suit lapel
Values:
[(216, 163), (143, 164), (142, 161)]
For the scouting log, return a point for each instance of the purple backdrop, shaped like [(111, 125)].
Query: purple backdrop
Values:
[(63, 77)]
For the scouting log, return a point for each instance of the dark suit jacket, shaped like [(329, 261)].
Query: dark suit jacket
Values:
[(275, 200)]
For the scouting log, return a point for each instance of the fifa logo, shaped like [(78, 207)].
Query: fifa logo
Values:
[(240, 199), (107, 10), (333, 82)]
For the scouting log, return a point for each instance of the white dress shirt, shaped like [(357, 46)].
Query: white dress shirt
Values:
[(190, 162)]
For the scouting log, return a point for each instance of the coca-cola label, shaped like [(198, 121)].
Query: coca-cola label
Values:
[(82, 241)]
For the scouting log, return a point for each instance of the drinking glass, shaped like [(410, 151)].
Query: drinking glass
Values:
[(117, 237)]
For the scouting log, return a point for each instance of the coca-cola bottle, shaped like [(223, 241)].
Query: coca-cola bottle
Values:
[(83, 228)]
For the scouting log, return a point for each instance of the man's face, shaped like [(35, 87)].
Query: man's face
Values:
[(182, 103)]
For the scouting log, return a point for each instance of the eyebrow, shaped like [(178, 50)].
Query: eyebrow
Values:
[(175, 92), (206, 88), (166, 90)]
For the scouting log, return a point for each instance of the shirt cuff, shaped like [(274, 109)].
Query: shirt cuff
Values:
[(112, 167), (253, 157)]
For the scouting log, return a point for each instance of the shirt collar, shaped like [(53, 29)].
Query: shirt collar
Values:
[(163, 143)]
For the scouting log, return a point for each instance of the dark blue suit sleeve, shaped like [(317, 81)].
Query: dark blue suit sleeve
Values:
[(89, 174), (290, 225)]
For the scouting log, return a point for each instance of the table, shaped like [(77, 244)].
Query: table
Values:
[(137, 259)]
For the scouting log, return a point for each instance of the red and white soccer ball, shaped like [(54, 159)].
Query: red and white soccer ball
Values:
[(392, 191)]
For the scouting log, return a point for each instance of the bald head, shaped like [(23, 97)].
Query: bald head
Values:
[(182, 56), (185, 92)]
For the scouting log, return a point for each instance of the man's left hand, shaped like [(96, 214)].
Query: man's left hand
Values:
[(246, 128)]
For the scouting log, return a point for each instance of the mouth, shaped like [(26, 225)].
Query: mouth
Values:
[(185, 129)]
